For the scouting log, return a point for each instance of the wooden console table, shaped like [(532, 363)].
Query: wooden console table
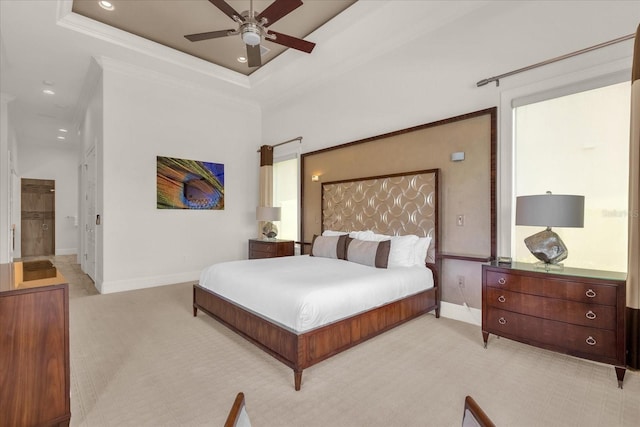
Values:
[(34, 338)]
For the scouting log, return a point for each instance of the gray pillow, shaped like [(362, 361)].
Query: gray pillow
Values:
[(329, 246), (373, 254)]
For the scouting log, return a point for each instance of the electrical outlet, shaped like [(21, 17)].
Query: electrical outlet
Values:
[(460, 220), (461, 281)]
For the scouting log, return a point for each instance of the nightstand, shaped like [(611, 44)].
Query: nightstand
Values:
[(270, 248), (573, 311)]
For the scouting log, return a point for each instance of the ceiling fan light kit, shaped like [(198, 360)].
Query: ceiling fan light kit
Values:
[(251, 34), (252, 28)]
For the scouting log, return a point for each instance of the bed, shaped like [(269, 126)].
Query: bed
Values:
[(355, 213)]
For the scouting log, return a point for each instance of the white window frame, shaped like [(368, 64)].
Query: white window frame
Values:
[(602, 75)]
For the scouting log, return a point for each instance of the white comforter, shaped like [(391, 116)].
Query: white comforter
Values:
[(303, 292)]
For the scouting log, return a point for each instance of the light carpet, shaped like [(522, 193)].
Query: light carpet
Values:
[(140, 358)]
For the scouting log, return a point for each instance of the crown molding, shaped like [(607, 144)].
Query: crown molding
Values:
[(66, 18)]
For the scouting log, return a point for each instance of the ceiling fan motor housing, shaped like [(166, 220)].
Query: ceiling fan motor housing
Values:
[(251, 34)]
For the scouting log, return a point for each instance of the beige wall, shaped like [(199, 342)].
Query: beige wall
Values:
[(465, 187)]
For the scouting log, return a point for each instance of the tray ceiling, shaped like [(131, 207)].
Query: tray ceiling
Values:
[(167, 22)]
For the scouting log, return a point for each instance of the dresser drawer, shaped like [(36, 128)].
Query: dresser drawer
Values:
[(577, 313), (553, 287), (559, 336)]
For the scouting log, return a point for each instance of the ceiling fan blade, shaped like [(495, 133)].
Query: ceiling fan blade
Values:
[(227, 9), (291, 42), (253, 55), (209, 35), (278, 9)]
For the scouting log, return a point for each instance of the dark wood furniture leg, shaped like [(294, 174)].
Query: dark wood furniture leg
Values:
[(485, 338), (297, 379), (620, 371)]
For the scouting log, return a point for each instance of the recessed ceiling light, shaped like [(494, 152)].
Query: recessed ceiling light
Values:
[(106, 5), (242, 59), (62, 130), (47, 82), (61, 137), (48, 92)]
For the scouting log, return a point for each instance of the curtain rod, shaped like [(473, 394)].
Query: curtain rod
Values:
[(299, 138), (556, 59)]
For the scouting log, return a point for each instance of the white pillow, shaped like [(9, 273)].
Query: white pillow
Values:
[(372, 237), (420, 251), (402, 253), (361, 235), (334, 233)]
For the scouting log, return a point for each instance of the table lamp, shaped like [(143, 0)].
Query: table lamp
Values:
[(268, 214), (549, 210)]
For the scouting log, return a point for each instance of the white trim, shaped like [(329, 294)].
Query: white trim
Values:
[(108, 287), (67, 251), (66, 18), (601, 74), (463, 313)]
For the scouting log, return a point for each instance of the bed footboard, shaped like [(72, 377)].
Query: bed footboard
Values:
[(299, 351)]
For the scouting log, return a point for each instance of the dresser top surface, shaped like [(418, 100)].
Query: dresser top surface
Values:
[(271, 240), (564, 271), (18, 275)]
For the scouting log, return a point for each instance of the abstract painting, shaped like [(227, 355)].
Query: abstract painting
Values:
[(189, 184)]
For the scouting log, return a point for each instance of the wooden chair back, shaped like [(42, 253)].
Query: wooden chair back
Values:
[(474, 416), (238, 416)]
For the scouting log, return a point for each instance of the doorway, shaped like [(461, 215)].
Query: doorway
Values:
[(37, 217)]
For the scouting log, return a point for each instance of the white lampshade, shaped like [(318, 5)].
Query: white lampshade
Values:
[(550, 210), (267, 213)]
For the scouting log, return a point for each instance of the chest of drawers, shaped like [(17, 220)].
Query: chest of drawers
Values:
[(572, 311), (269, 248)]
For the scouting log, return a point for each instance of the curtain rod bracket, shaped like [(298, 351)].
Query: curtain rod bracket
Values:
[(298, 138)]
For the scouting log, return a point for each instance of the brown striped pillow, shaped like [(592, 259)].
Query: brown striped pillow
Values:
[(329, 246), (373, 254)]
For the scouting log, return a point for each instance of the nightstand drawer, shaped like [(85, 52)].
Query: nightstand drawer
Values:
[(559, 336), (270, 248), (553, 287), (265, 247), (577, 313)]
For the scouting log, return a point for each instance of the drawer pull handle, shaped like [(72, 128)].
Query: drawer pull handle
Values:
[(590, 293), (502, 280), (591, 341), (590, 315), (502, 321), (501, 298)]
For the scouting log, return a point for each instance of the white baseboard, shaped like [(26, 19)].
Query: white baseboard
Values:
[(108, 287), (461, 312), (67, 251)]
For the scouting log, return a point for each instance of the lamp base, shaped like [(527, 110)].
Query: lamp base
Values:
[(548, 266), (547, 246), (269, 230)]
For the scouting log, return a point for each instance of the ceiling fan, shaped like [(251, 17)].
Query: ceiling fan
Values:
[(253, 28)]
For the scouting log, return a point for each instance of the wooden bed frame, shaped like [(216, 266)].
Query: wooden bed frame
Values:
[(301, 350)]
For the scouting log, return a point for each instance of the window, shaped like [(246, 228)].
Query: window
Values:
[(578, 144), (285, 195)]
